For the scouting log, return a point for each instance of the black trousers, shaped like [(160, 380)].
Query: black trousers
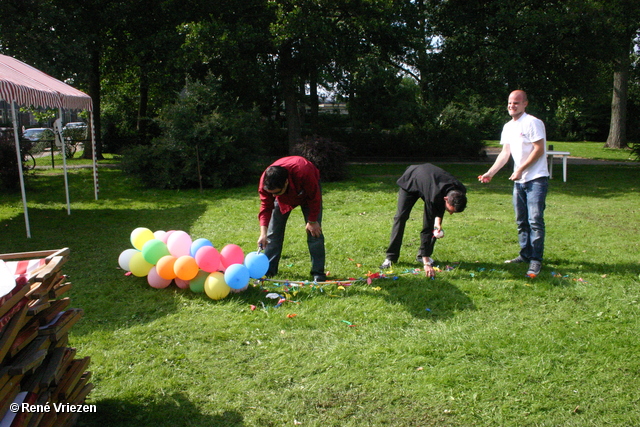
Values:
[(406, 201)]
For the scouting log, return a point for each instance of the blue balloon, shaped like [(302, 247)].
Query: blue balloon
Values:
[(197, 244), (257, 264), (236, 276)]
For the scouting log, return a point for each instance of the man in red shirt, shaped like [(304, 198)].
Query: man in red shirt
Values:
[(290, 182)]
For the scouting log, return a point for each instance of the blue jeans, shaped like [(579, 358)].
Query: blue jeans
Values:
[(275, 240), (529, 202)]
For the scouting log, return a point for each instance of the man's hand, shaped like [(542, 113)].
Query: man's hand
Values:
[(516, 175), (314, 229), (262, 240), (429, 271), (484, 178)]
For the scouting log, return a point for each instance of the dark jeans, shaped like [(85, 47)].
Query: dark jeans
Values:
[(529, 202), (406, 201), (275, 240)]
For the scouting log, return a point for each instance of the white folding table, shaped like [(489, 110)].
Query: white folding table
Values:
[(564, 155)]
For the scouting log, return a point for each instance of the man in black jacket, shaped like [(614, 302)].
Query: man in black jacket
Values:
[(440, 191)]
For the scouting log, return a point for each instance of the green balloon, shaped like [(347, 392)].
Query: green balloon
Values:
[(153, 250), (197, 283)]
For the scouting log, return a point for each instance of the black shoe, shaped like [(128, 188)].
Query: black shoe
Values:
[(516, 260), (319, 279)]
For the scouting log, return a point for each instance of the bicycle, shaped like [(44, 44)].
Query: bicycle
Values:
[(28, 160)]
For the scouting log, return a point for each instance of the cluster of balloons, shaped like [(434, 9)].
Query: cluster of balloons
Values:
[(164, 257)]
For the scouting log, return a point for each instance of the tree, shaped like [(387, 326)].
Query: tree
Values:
[(624, 22)]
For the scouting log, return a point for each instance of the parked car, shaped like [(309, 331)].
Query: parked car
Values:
[(74, 125), (38, 134)]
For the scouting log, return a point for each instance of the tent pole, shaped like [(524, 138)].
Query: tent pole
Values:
[(24, 193), (95, 162), (64, 160)]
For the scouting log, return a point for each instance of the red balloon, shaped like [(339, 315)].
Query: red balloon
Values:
[(231, 254), (208, 258)]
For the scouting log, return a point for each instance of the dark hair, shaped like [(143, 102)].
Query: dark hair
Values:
[(457, 199), (274, 178)]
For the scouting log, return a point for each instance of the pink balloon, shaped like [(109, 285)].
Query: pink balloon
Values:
[(166, 235), (231, 254), (208, 258), (179, 243), (156, 281), (182, 284)]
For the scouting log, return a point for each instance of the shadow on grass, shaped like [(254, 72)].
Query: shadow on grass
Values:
[(555, 273), (175, 411), (437, 299), (96, 237)]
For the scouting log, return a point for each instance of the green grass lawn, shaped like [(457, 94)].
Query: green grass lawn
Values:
[(481, 345), (587, 150)]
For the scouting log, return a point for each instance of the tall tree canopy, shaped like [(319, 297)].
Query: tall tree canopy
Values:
[(134, 56)]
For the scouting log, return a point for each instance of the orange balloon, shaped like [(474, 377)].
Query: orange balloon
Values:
[(185, 267), (164, 267)]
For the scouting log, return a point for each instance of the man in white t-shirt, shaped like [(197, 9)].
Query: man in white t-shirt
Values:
[(524, 139)]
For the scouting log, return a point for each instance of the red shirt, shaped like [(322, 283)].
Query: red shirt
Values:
[(303, 190)]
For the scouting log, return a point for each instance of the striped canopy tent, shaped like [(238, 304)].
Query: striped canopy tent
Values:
[(23, 85)]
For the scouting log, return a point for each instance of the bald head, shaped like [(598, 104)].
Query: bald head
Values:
[(520, 93), (517, 104)]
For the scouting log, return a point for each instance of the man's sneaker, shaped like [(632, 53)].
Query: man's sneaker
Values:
[(516, 260), (534, 268), (386, 264)]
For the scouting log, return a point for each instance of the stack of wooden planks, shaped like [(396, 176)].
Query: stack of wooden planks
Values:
[(42, 381)]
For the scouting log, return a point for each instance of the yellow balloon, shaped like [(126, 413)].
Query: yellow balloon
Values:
[(215, 287), (138, 266), (140, 236)]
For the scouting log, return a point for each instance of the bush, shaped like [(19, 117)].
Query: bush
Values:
[(329, 157), (206, 141)]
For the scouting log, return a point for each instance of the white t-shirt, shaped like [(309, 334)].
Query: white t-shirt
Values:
[(520, 135)]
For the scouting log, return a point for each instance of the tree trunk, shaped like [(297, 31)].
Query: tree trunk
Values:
[(143, 104), (618, 129), (294, 130), (313, 100), (94, 92)]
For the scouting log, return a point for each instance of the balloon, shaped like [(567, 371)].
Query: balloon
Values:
[(125, 258), (231, 254), (197, 283), (237, 291), (257, 263), (165, 267), (208, 258), (236, 276), (138, 266), (179, 243), (166, 235), (215, 287), (139, 237), (153, 250), (182, 284), (156, 281), (159, 234), (197, 244), (185, 267)]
